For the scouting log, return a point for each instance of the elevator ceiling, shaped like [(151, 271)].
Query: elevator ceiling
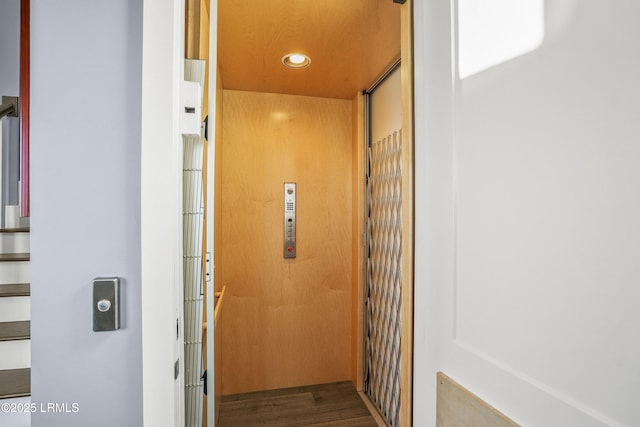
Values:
[(350, 43)]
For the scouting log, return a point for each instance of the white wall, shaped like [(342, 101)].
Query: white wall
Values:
[(161, 200), (527, 235), (86, 62), (9, 47)]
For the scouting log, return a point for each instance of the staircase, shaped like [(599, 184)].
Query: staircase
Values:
[(15, 312)]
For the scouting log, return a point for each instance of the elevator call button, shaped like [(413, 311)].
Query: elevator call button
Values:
[(106, 304), (289, 229)]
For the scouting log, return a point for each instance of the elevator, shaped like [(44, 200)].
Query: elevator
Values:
[(298, 307)]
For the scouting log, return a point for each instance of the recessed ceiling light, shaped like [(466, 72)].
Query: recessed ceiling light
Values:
[(296, 60)]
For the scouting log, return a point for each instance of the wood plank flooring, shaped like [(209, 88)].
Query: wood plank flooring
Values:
[(14, 230), (334, 404), (15, 383), (10, 331), (15, 257), (15, 290)]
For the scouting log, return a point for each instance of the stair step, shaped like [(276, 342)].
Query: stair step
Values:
[(14, 230), (15, 257), (15, 272), (13, 309), (15, 355), (10, 331), (12, 243), (15, 383), (15, 290)]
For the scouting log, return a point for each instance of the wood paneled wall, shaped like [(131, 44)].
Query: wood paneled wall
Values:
[(287, 322), (358, 250), (217, 242), (217, 217)]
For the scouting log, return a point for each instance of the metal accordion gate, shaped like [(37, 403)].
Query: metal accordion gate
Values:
[(193, 214), (383, 277), (193, 223)]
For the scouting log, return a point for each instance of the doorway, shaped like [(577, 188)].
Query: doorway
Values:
[(294, 322)]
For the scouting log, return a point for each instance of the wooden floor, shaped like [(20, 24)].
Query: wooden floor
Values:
[(11, 331), (15, 383), (335, 404), (15, 290), (15, 257)]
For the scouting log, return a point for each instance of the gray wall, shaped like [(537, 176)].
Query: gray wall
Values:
[(9, 47), (85, 127)]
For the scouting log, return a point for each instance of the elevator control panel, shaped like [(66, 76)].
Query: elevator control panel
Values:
[(106, 304), (289, 220)]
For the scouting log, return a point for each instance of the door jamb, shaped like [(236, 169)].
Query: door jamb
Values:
[(408, 235), (160, 217)]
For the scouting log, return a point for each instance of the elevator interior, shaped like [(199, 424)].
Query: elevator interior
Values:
[(293, 321)]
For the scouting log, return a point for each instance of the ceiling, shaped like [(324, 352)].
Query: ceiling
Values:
[(350, 43)]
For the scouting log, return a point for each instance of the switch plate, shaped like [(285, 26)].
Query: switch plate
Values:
[(106, 304), (289, 230)]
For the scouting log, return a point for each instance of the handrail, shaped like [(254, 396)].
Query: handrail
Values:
[(217, 303), (25, 102), (6, 109), (9, 106), (216, 311)]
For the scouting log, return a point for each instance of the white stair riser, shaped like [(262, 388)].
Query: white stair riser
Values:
[(12, 216), (13, 243), (13, 309), (14, 272), (15, 354)]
